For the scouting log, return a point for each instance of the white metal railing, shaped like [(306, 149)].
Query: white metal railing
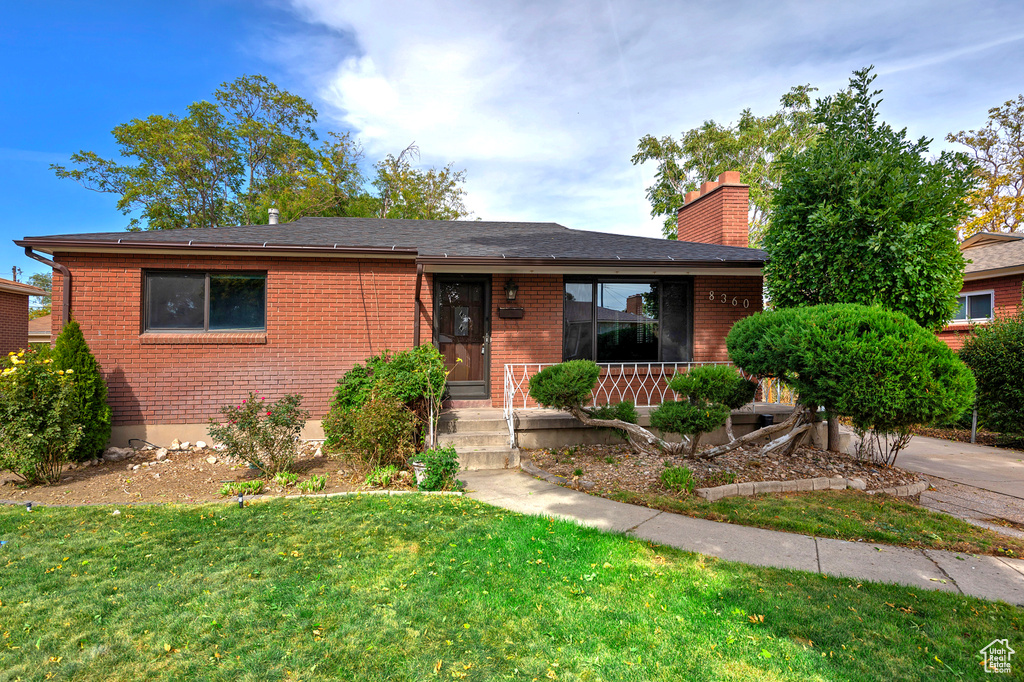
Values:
[(643, 383)]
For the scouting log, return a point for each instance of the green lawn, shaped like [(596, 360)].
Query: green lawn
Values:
[(841, 514), (431, 588)]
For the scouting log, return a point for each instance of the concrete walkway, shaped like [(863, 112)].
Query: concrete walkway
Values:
[(980, 576), (980, 466)]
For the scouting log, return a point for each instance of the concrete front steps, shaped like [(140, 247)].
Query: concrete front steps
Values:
[(480, 436)]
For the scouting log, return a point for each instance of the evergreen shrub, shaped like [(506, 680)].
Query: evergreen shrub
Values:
[(71, 352), (995, 353)]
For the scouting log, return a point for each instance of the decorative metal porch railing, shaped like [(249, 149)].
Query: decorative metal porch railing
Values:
[(643, 383)]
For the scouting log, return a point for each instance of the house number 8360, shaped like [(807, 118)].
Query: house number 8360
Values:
[(725, 299)]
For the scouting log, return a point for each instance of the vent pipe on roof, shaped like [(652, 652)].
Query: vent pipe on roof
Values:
[(273, 214)]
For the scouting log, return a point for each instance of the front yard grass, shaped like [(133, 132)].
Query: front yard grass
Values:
[(841, 514), (431, 588)]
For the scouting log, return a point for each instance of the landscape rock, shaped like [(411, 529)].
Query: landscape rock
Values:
[(319, 452), (201, 444), (136, 467), (161, 454), (186, 445), (175, 444), (857, 484), (220, 447), (117, 454), (211, 459)]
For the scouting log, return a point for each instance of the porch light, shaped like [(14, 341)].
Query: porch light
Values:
[(511, 289)]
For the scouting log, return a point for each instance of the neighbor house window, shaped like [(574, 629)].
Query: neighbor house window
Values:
[(612, 320), (974, 306), (206, 301)]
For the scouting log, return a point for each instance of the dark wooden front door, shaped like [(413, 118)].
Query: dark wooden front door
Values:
[(462, 327)]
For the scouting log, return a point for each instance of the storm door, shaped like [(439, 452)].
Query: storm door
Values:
[(462, 327)]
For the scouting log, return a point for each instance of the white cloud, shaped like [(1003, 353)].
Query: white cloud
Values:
[(543, 103)]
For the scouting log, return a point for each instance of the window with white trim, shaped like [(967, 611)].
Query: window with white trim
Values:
[(205, 301), (975, 306)]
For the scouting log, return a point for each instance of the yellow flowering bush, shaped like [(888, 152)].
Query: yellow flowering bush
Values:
[(39, 423)]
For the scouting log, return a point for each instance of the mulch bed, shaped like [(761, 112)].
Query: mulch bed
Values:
[(617, 468), (184, 477)]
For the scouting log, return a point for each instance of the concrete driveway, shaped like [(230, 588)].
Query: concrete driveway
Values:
[(988, 468)]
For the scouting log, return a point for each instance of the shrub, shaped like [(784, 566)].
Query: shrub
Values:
[(313, 484), (715, 384), (568, 384), (382, 476), (690, 418), (382, 433), (995, 353), (71, 352), (242, 488), (442, 465), (877, 367), (263, 435), (39, 417), (624, 411), (415, 378), (678, 479)]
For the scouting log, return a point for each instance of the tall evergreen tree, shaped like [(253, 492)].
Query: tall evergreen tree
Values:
[(71, 353)]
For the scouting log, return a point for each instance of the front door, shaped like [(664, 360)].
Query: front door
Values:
[(462, 327)]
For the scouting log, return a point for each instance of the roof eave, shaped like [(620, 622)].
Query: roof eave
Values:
[(51, 246)]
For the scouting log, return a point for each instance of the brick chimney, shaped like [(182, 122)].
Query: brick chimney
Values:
[(716, 213)]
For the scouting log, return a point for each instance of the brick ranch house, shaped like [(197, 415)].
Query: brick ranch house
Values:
[(14, 314), (992, 283), (185, 321)]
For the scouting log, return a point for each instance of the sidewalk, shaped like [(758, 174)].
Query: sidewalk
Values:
[(980, 576)]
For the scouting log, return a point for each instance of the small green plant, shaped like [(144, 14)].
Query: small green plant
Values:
[(678, 479), (264, 435), (719, 478), (442, 464), (39, 417), (313, 484), (609, 460), (233, 488), (283, 479), (383, 477)]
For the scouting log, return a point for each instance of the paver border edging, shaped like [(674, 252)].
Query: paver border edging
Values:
[(804, 485)]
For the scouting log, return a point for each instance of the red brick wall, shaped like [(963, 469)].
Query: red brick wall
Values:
[(535, 338), (713, 317), (1007, 302), (717, 214), (13, 321), (323, 316)]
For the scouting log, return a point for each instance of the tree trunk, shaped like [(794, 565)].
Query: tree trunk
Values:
[(790, 422), (833, 433), (728, 427), (693, 446), (640, 439)]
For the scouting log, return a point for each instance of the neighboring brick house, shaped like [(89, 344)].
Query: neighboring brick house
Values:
[(14, 314), (185, 321), (993, 281)]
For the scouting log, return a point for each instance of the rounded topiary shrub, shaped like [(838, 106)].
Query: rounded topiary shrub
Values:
[(720, 384), (876, 366), (684, 417), (565, 385), (71, 353)]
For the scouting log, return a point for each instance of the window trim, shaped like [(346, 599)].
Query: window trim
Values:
[(967, 306), (595, 280), (205, 329)]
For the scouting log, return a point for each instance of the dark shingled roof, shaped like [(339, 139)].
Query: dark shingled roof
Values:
[(431, 238)]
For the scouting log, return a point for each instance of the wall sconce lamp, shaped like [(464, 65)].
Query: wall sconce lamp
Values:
[(511, 289)]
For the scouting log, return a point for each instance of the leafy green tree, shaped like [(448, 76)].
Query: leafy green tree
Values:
[(254, 148), (862, 216), (877, 367), (71, 354), (43, 280), (995, 353), (411, 193), (998, 152), (751, 146)]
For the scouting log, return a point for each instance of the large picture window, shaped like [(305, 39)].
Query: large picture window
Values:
[(611, 320), (974, 307), (205, 301)]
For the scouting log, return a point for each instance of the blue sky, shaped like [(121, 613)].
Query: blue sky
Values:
[(542, 103)]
